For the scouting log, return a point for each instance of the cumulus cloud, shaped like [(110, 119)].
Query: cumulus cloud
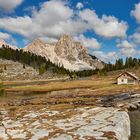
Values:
[(135, 37), (126, 44), (21, 25), (52, 20), (107, 26), (136, 12), (9, 5), (129, 52), (4, 35), (127, 48), (52, 12), (106, 57), (90, 43), (79, 5), (55, 18)]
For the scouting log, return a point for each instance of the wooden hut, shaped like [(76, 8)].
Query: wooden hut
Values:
[(127, 78)]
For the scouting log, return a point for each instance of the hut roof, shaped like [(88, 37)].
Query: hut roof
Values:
[(132, 75)]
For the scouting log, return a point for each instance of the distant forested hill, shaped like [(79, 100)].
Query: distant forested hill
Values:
[(33, 60)]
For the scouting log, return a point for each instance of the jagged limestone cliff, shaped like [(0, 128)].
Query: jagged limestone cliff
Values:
[(66, 52)]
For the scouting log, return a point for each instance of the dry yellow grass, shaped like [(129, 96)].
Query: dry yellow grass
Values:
[(54, 86), (70, 97), (104, 85), (22, 82), (99, 85)]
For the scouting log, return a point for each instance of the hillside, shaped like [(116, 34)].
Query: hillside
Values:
[(16, 71), (10, 70)]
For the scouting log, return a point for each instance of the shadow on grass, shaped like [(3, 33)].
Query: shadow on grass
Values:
[(135, 124), (2, 92)]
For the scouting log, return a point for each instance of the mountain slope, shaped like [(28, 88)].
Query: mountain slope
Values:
[(40, 47), (15, 71), (2, 42), (66, 52)]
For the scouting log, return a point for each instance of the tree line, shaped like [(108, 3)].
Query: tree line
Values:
[(30, 59), (129, 62), (43, 65), (119, 64)]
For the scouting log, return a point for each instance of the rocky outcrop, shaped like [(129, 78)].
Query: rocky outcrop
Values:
[(79, 123), (66, 52)]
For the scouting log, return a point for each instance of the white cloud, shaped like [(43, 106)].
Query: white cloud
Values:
[(52, 20), (79, 5), (106, 57), (126, 44), (4, 35), (127, 48), (21, 25), (129, 52), (53, 12), (9, 5), (107, 26), (136, 37), (136, 12), (91, 43), (55, 18)]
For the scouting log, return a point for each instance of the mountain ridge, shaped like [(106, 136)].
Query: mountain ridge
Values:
[(66, 52)]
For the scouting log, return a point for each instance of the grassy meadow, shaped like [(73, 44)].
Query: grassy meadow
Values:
[(99, 85)]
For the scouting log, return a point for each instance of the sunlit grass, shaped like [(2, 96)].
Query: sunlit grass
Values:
[(98, 86)]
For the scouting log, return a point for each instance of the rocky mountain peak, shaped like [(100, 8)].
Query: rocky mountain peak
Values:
[(66, 46), (65, 38), (35, 45), (66, 52), (38, 42)]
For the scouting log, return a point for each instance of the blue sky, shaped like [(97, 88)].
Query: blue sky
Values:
[(110, 29)]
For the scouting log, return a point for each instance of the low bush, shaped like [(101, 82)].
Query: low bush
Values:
[(1, 89)]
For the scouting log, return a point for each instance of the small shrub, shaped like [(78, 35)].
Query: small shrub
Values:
[(1, 89), (42, 69)]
